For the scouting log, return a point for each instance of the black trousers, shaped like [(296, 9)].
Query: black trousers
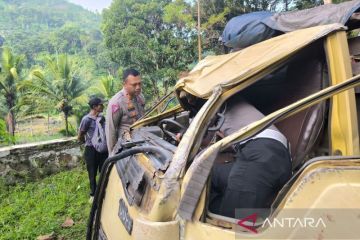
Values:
[(261, 167), (94, 162)]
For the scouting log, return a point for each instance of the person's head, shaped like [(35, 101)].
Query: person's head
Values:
[(132, 82), (96, 104)]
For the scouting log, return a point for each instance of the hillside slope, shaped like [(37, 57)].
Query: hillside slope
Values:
[(34, 26)]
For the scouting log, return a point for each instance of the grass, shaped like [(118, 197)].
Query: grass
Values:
[(38, 128), (37, 138), (30, 210)]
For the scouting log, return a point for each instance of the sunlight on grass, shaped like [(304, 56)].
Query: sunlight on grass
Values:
[(38, 129), (28, 211)]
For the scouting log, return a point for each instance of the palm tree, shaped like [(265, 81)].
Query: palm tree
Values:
[(106, 87), (9, 82), (60, 85)]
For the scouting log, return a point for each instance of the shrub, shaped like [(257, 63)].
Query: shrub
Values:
[(5, 137)]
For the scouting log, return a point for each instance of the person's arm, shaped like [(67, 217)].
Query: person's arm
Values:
[(81, 136), (112, 123), (83, 128)]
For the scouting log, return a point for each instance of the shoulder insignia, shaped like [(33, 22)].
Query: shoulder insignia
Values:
[(115, 108)]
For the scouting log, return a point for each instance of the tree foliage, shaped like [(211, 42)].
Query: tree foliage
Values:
[(39, 30), (50, 27), (68, 54), (107, 87), (60, 84), (9, 83), (139, 34)]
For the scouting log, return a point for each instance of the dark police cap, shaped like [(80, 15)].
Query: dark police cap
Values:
[(95, 101)]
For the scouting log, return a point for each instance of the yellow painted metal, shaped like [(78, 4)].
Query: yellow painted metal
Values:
[(247, 131), (203, 231), (142, 228), (231, 69), (343, 125), (197, 230), (167, 201), (145, 230), (255, 127), (326, 184), (110, 222), (163, 115), (156, 215), (189, 143)]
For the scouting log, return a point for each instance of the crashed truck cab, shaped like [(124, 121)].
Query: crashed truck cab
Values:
[(303, 81)]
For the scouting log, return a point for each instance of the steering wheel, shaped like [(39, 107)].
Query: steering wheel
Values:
[(171, 122)]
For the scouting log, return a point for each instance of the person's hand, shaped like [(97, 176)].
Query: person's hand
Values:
[(81, 137), (178, 137), (220, 134)]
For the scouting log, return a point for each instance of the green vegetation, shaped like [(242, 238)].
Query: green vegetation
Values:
[(47, 26), (59, 85), (9, 82), (28, 211), (55, 55), (52, 52), (138, 36), (25, 138), (5, 137)]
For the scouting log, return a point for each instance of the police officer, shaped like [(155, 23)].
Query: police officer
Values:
[(261, 167), (123, 110)]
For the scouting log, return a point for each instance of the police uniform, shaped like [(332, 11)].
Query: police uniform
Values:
[(121, 113), (261, 167)]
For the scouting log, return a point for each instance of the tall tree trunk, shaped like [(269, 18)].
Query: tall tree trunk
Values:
[(166, 86), (10, 118), (156, 90), (31, 126), (13, 122), (66, 124), (48, 123), (10, 123)]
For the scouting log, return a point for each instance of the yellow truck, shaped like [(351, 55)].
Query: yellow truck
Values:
[(304, 81)]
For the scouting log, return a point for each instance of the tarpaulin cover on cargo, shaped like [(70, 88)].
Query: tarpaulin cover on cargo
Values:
[(342, 13), (248, 29)]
